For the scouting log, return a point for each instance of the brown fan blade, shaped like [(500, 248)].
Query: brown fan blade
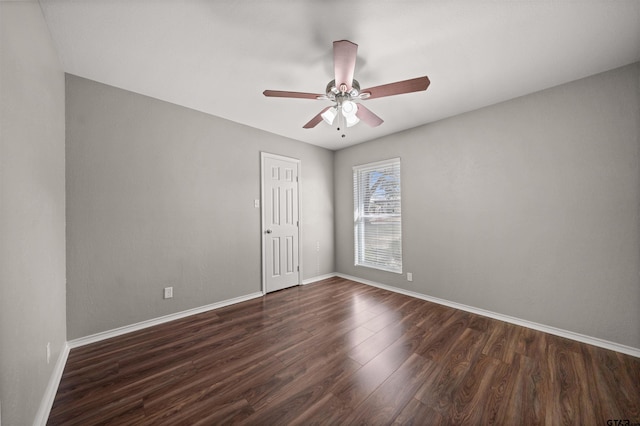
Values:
[(398, 88), (344, 63), (284, 94), (368, 117), (315, 120)]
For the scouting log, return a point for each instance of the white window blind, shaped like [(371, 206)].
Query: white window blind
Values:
[(377, 215)]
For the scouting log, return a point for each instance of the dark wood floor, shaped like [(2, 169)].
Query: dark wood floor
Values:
[(339, 352)]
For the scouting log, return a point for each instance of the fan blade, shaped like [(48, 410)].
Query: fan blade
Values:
[(398, 88), (315, 120), (344, 62), (368, 117), (284, 94)]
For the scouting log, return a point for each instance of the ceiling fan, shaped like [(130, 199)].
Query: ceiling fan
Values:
[(343, 90)]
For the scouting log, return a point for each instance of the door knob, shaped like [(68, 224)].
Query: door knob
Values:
[(268, 231)]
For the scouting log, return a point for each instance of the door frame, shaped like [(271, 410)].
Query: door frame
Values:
[(263, 156)]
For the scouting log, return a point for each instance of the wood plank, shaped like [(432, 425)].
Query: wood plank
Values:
[(389, 399), (441, 387), (417, 413), (526, 405)]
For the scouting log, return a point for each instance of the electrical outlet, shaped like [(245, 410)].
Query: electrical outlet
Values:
[(48, 352), (168, 292), (409, 276)]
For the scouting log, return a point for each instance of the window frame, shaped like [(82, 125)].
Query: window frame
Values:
[(389, 259)]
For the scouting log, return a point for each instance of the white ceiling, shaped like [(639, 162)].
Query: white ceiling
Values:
[(218, 56)]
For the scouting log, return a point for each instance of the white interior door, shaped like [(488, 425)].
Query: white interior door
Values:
[(280, 222)]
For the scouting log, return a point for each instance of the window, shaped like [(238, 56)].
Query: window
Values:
[(377, 218)]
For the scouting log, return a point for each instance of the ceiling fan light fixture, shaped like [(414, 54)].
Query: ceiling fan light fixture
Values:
[(329, 115), (349, 109), (352, 120)]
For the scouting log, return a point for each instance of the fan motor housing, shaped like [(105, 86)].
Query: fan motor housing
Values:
[(333, 92)]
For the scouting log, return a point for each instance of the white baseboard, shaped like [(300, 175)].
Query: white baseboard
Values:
[(52, 387), (318, 278), (506, 318), (82, 341)]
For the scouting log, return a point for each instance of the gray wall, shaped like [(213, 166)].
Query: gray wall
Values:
[(528, 208), (160, 195), (32, 210)]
